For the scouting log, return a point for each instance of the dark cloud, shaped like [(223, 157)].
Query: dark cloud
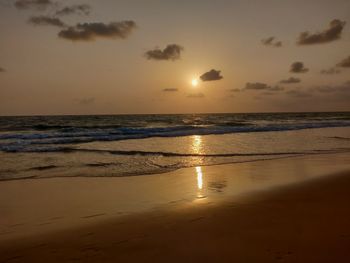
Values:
[(91, 31), (74, 9), (37, 4), (328, 35), (170, 90), (2, 70), (291, 80), (196, 95), (298, 67), (211, 75), (298, 93), (330, 71), (271, 41), (262, 86), (46, 21), (170, 52), (345, 63)]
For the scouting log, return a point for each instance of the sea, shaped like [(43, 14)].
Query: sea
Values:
[(135, 145)]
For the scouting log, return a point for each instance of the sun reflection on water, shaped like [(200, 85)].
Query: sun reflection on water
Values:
[(197, 144)]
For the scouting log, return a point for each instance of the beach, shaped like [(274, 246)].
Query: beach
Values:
[(174, 131), (283, 210)]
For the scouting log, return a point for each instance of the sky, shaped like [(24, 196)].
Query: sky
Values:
[(185, 56)]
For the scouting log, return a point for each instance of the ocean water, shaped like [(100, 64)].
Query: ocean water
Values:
[(130, 145)]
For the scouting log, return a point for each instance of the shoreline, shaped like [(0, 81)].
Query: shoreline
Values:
[(251, 218)]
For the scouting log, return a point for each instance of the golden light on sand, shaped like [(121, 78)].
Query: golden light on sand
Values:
[(194, 82), (200, 183), (199, 177)]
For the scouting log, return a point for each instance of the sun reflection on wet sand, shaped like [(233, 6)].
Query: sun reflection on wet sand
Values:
[(199, 178), (200, 190), (197, 148)]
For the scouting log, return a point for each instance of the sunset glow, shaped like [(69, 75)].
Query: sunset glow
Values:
[(174, 131), (194, 82)]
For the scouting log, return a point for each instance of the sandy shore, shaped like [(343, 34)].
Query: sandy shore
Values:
[(305, 218)]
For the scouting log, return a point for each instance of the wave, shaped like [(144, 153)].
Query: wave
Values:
[(28, 141), (173, 154), (146, 166), (340, 138), (63, 149)]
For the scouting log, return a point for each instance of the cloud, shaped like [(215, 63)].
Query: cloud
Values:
[(91, 31), (37, 4), (328, 35), (298, 93), (170, 90), (298, 67), (74, 9), (330, 71), (345, 63), (170, 52), (256, 86), (324, 89), (291, 80), (211, 75), (196, 95), (271, 41), (276, 88), (2, 70), (343, 88), (262, 86), (46, 21)]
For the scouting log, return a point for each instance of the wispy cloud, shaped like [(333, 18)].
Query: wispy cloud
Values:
[(341, 89), (332, 33), (330, 71), (36, 4), (46, 21), (92, 31), (272, 42), (74, 9), (170, 52), (170, 90), (298, 67), (262, 86), (211, 75), (290, 80), (298, 93)]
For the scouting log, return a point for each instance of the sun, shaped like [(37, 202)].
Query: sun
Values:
[(194, 82)]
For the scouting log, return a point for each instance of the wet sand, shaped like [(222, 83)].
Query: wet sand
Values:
[(304, 219)]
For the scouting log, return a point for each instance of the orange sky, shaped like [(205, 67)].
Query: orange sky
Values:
[(104, 69)]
